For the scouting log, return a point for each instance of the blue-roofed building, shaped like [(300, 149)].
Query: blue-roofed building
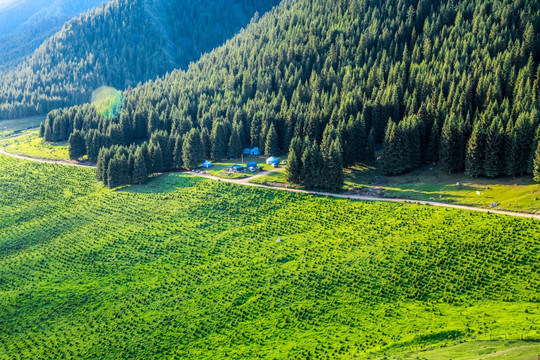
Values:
[(255, 151), (247, 151), (237, 168), (252, 164)]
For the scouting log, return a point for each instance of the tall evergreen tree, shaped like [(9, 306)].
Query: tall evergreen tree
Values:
[(333, 165), (474, 161), (157, 157), (219, 141), (140, 171), (192, 150), (77, 145), (536, 164), (271, 145), (451, 147), (494, 146)]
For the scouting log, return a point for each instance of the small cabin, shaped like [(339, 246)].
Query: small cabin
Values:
[(252, 164)]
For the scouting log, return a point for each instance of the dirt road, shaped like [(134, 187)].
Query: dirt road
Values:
[(245, 182)]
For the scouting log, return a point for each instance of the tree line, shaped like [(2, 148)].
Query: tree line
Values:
[(429, 80)]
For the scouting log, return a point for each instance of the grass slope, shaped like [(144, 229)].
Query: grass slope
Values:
[(30, 144), (191, 268), (428, 183)]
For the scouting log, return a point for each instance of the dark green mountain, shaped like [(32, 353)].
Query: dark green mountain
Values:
[(120, 45)]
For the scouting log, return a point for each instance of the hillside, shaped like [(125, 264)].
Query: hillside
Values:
[(25, 24), (453, 82), (119, 45), (191, 268)]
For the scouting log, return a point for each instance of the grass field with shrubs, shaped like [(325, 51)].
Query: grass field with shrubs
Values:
[(190, 268)]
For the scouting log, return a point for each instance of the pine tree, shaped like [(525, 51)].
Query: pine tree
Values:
[(370, 147), (140, 172), (157, 157), (474, 161), (177, 153), (271, 145), (532, 151), (153, 123), (41, 130), (451, 147), (356, 142), (432, 151), (334, 167), (192, 150), (294, 167), (235, 143), (536, 164), (77, 145), (117, 172), (219, 141), (206, 143), (493, 154), (391, 157), (311, 166)]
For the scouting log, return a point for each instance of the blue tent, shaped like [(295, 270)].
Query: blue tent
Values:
[(255, 151), (207, 164), (252, 164), (247, 151), (272, 160)]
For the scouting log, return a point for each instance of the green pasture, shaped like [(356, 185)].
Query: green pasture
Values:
[(30, 144), (190, 268)]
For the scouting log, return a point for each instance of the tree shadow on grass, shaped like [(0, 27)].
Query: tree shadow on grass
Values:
[(164, 184)]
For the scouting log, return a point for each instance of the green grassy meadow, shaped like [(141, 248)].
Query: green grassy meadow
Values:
[(30, 144), (430, 184), (190, 268)]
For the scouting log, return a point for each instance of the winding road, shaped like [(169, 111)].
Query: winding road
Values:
[(245, 182)]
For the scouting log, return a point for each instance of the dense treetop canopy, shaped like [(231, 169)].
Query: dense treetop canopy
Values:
[(436, 69)]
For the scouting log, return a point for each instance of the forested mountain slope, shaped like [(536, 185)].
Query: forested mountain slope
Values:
[(120, 45), (25, 24), (336, 73)]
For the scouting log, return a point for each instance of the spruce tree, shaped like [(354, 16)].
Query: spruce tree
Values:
[(157, 157), (391, 157), (536, 164), (311, 166), (206, 143), (235, 143), (474, 161), (494, 147), (192, 150), (432, 151), (41, 130), (140, 171), (219, 141), (357, 141), (451, 147), (294, 167), (370, 147), (177, 153), (77, 145), (333, 164), (271, 146)]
